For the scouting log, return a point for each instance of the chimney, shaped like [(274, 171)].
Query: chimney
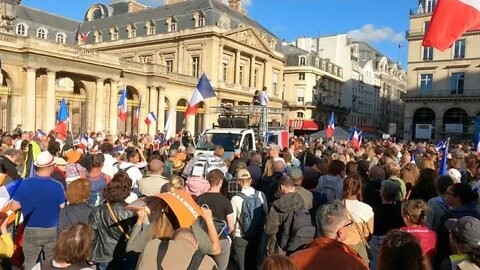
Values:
[(169, 2), (237, 6)]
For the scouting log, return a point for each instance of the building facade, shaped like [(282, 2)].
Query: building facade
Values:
[(312, 89), (442, 93), (158, 54)]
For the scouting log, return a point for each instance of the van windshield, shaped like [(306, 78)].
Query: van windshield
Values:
[(228, 141)]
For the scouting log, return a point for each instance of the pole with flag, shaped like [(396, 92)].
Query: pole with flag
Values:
[(443, 164), (450, 20), (151, 118), (122, 105), (136, 114), (331, 126), (62, 120), (204, 90)]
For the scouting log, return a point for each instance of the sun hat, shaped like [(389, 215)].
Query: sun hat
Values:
[(183, 206), (178, 165), (73, 156), (466, 228), (44, 159)]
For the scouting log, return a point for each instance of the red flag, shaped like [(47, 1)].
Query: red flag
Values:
[(61, 130), (331, 126), (191, 110), (450, 20)]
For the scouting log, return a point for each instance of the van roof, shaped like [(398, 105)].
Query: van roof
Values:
[(226, 130)]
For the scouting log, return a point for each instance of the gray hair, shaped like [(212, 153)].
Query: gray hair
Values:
[(12, 152), (172, 152), (330, 218)]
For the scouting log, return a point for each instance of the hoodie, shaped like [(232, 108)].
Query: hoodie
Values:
[(279, 212)]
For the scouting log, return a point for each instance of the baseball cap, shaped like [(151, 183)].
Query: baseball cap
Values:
[(466, 229), (243, 174)]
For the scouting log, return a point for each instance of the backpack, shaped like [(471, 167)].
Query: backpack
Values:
[(297, 231), (195, 262), (253, 218), (97, 185), (327, 192)]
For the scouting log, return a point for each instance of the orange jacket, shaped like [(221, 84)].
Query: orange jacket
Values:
[(323, 253)]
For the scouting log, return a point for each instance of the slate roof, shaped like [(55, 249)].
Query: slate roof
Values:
[(46, 19), (293, 50)]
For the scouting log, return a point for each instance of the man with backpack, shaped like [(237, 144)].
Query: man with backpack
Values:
[(289, 225), (249, 210)]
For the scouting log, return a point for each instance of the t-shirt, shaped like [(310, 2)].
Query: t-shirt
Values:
[(237, 205), (426, 237), (220, 205), (386, 218), (40, 199)]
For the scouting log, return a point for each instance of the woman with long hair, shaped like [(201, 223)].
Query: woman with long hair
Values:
[(360, 213), (425, 188)]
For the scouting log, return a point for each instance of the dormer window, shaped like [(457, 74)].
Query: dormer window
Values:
[(199, 18), (150, 28), (61, 38), (98, 36), (42, 33), (22, 29), (132, 31), (302, 61), (113, 33), (171, 24)]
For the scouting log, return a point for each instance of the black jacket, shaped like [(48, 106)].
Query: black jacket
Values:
[(108, 241), (9, 168)]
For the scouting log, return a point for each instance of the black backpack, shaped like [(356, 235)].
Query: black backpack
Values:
[(297, 231)]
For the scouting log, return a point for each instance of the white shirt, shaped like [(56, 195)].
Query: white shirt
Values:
[(237, 202), (264, 98), (133, 172), (108, 165), (359, 211)]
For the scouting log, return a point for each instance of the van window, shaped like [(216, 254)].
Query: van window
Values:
[(247, 143), (209, 141)]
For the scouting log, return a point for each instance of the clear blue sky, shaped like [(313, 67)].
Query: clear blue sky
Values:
[(380, 22)]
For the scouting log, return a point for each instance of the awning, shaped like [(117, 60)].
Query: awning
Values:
[(303, 124)]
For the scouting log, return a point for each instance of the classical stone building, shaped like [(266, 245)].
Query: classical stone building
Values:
[(158, 54), (442, 95), (312, 89)]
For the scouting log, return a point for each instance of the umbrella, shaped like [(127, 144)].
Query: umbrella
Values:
[(201, 165)]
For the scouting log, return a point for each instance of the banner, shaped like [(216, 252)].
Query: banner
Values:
[(423, 131)]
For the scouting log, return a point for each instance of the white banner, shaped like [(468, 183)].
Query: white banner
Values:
[(454, 128), (423, 131)]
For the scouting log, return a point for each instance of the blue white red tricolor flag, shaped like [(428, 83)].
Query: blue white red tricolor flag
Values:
[(151, 117), (7, 191), (450, 20), (440, 145), (331, 126), (62, 120), (122, 105), (356, 138), (41, 134), (204, 90), (136, 114), (443, 164)]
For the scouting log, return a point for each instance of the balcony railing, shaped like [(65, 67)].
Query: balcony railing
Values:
[(414, 33), (416, 12), (443, 93)]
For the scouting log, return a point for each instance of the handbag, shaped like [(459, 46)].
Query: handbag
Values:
[(115, 219)]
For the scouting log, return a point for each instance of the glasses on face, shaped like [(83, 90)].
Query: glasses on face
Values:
[(347, 225)]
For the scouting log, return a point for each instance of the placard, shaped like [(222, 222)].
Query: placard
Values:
[(423, 131)]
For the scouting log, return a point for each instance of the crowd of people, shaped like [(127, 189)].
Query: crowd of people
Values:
[(148, 203)]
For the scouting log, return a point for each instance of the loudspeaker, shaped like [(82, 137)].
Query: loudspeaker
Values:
[(240, 122), (225, 122)]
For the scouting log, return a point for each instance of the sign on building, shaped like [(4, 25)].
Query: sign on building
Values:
[(453, 128), (423, 131), (392, 128)]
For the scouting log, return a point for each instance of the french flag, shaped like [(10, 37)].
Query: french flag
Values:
[(331, 126), (450, 20), (62, 120), (41, 134), (7, 191), (84, 140), (136, 114), (150, 118), (356, 139), (440, 145), (122, 106), (443, 164), (203, 91)]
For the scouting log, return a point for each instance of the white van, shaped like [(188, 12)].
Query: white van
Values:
[(233, 140)]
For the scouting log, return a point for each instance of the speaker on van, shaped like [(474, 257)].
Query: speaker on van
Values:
[(225, 122), (240, 122)]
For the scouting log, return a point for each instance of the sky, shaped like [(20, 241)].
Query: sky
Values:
[(382, 23)]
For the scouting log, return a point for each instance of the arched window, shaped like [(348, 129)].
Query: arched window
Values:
[(132, 31), (22, 29), (171, 24), (97, 14), (150, 28), (98, 36), (199, 18), (42, 33), (302, 61), (113, 33), (61, 38)]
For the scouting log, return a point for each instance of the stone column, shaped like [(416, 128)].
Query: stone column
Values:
[(100, 106), (142, 127), (113, 124), (14, 113), (220, 63), (252, 71), (190, 123), (153, 108), (173, 124), (237, 67), (50, 105), (30, 99), (180, 60), (161, 110)]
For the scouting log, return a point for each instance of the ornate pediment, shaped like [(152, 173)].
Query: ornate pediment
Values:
[(249, 37)]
